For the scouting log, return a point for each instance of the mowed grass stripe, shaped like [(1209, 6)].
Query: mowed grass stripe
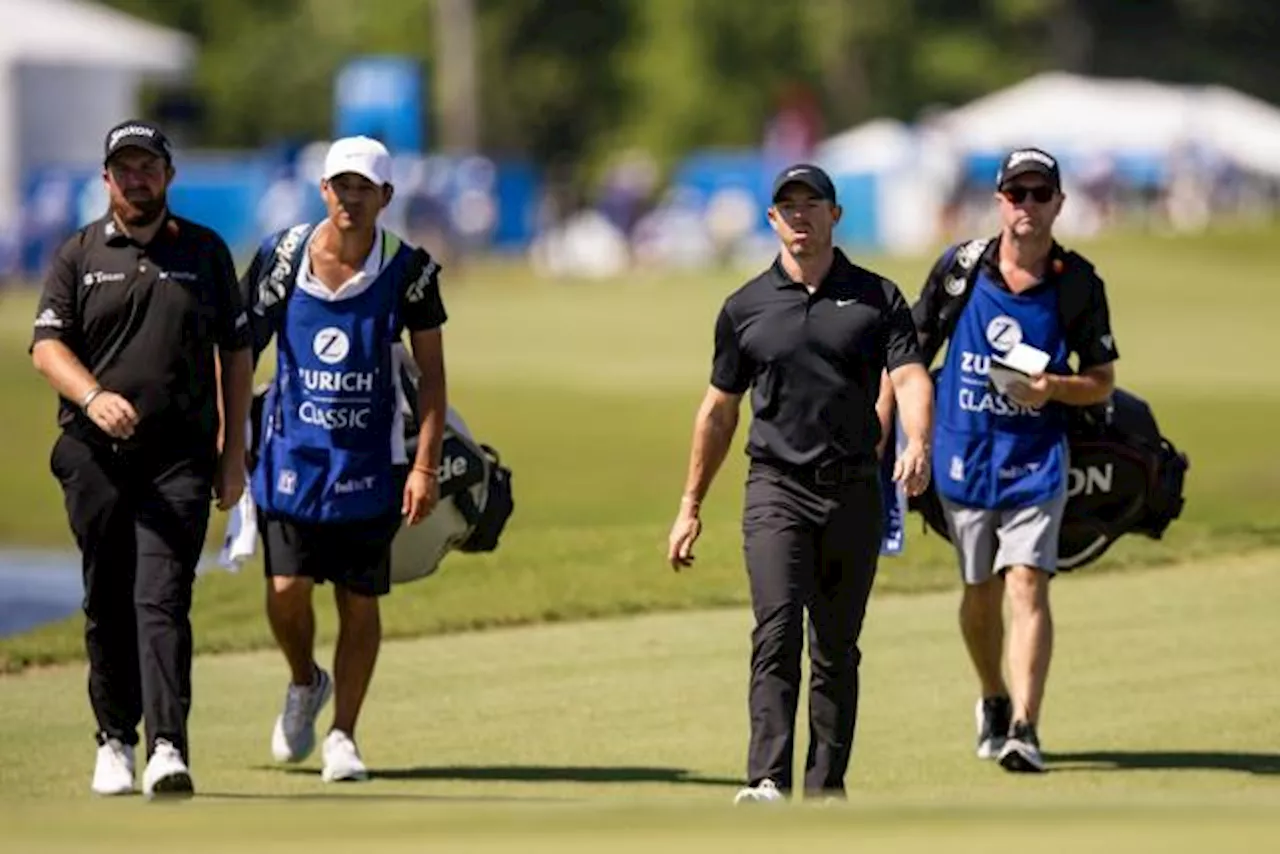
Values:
[(1162, 697)]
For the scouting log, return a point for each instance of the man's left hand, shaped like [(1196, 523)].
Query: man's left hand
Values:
[(912, 468), (1035, 393), (228, 480), (421, 492)]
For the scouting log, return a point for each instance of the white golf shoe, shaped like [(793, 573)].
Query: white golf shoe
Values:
[(765, 792), (342, 762), (167, 775), (114, 770)]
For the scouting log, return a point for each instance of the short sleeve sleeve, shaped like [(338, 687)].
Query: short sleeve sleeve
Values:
[(731, 370), (1091, 338), (422, 306), (233, 320), (902, 345), (57, 314)]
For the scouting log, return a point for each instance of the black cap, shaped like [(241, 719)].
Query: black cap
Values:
[(808, 175), (1029, 161), (137, 134)]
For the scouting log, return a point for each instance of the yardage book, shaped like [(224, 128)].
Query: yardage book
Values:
[(1019, 365)]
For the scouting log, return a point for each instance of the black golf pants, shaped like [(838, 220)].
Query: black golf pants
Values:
[(140, 522), (813, 548)]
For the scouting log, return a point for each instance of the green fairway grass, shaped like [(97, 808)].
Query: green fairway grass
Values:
[(629, 734), (589, 389)]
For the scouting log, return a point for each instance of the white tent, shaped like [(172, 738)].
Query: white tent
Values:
[(877, 146), (1068, 114), (1242, 128), (69, 70), (1065, 112), (912, 168)]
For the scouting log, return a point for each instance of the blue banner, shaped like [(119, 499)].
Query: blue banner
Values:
[(381, 97)]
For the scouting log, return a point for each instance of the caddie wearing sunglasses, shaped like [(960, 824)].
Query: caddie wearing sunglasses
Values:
[(999, 439)]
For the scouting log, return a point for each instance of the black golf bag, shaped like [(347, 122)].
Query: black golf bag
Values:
[(1125, 477)]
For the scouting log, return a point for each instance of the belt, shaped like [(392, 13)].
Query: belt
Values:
[(829, 473)]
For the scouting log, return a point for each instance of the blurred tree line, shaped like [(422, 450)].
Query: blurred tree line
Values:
[(566, 82)]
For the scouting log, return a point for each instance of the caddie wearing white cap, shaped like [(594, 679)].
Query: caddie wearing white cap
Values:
[(337, 297)]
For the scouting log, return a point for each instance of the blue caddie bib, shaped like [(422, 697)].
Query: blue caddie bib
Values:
[(327, 421), (989, 451)]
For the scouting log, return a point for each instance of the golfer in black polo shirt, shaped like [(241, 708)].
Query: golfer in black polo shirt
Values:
[(138, 310), (811, 338)]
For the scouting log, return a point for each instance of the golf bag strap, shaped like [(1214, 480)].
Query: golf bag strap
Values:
[(276, 273), (953, 285)]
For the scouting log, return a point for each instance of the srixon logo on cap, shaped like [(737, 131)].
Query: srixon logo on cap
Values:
[(131, 130), (1038, 156)]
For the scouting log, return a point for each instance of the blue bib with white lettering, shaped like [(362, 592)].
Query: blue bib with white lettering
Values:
[(989, 451), (326, 451)]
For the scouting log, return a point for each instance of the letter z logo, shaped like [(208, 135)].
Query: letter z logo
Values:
[(1004, 333), (331, 345)]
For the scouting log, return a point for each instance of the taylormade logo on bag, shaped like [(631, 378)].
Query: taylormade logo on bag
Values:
[(451, 467), (272, 289)]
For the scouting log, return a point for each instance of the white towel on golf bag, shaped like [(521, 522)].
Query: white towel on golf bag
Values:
[(241, 538)]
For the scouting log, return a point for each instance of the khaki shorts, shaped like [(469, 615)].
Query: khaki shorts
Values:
[(990, 541)]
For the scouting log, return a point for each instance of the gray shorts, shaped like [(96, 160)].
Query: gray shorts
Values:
[(990, 541)]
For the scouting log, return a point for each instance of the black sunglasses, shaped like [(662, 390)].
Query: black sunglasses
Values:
[(1018, 195)]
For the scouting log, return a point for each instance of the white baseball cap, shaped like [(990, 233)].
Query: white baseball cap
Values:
[(360, 155)]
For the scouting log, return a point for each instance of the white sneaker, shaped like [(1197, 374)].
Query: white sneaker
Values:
[(167, 775), (342, 760), (766, 792), (113, 773), (294, 736)]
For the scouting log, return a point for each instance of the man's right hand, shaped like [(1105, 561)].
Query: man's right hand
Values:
[(684, 533), (113, 414)]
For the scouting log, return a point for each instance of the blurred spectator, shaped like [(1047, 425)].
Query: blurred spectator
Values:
[(49, 220), (284, 204), (673, 235), (1097, 181), (628, 188), (586, 245), (795, 128), (1187, 192), (10, 256), (731, 215)]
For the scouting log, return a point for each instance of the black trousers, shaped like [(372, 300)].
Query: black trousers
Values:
[(140, 521), (815, 548)]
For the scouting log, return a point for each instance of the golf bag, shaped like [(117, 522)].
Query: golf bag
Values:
[(475, 494), (476, 499), (1124, 477)]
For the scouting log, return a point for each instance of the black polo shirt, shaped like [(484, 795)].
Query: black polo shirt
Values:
[(144, 320), (813, 361)]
